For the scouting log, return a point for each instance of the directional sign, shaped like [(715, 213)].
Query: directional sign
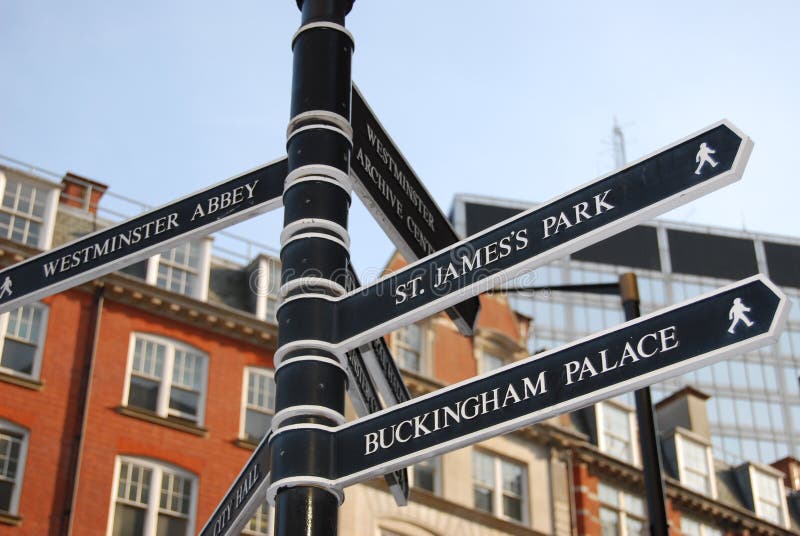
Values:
[(247, 493), (364, 396), (365, 400), (110, 249), (379, 361), (662, 345), (383, 370), (699, 164), (398, 200)]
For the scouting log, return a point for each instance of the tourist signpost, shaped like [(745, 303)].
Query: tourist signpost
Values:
[(590, 213), (331, 329), (369, 366), (652, 348), (399, 201), (115, 247)]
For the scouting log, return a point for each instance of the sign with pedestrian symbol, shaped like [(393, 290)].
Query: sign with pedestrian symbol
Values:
[(640, 352), (642, 190), (115, 247), (703, 157), (737, 314)]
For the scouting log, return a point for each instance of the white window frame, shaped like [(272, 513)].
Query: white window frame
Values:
[(702, 528), (19, 478), (158, 469), (37, 357), (484, 353), (621, 509), (497, 488), (267, 512), (424, 341), (202, 271), (680, 439), (757, 499), (436, 462), (165, 383), (264, 371), (52, 194), (602, 429), (265, 282)]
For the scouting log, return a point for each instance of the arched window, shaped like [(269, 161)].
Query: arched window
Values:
[(151, 498)]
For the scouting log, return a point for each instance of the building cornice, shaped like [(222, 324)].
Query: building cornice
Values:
[(219, 319)]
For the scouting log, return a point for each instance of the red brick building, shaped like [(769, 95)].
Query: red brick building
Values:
[(129, 404)]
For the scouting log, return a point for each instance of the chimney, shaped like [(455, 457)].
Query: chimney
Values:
[(790, 467), (81, 193), (685, 408)]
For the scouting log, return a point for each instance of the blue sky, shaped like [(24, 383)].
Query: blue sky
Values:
[(510, 99)]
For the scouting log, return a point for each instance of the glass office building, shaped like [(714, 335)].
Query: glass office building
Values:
[(754, 409)]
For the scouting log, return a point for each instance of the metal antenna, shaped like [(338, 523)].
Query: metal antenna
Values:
[(618, 141)]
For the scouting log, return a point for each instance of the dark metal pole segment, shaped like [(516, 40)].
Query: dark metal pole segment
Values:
[(314, 254), (648, 436)]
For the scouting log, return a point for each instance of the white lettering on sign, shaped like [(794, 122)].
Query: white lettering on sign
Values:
[(237, 501), (647, 346), (222, 521), (463, 410), (384, 187), (407, 290), (482, 257), (112, 244), (581, 212), (246, 487), (399, 177), (419, 236), (224, 200)]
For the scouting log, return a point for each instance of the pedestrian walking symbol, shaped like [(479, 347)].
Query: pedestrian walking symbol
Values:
[(5, 288), (703, 156), (737, 314)]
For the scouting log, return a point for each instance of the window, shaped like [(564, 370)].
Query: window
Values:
[(621, 513), (499, 486), (167, 378), (273, 290), (409, 347), (265, 286), (693, 527), (13, 448), (152, 499), (183, 269), (694, 463), (259, 403), (22, 212), (490, 362), (261, 522), (768, 497), (425, 475), (22, 344), (616, 430)]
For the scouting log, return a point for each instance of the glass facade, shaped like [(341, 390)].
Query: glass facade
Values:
[(754, 409)]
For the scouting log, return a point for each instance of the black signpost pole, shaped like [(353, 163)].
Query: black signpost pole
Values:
[(648, 435), (310, 380)]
